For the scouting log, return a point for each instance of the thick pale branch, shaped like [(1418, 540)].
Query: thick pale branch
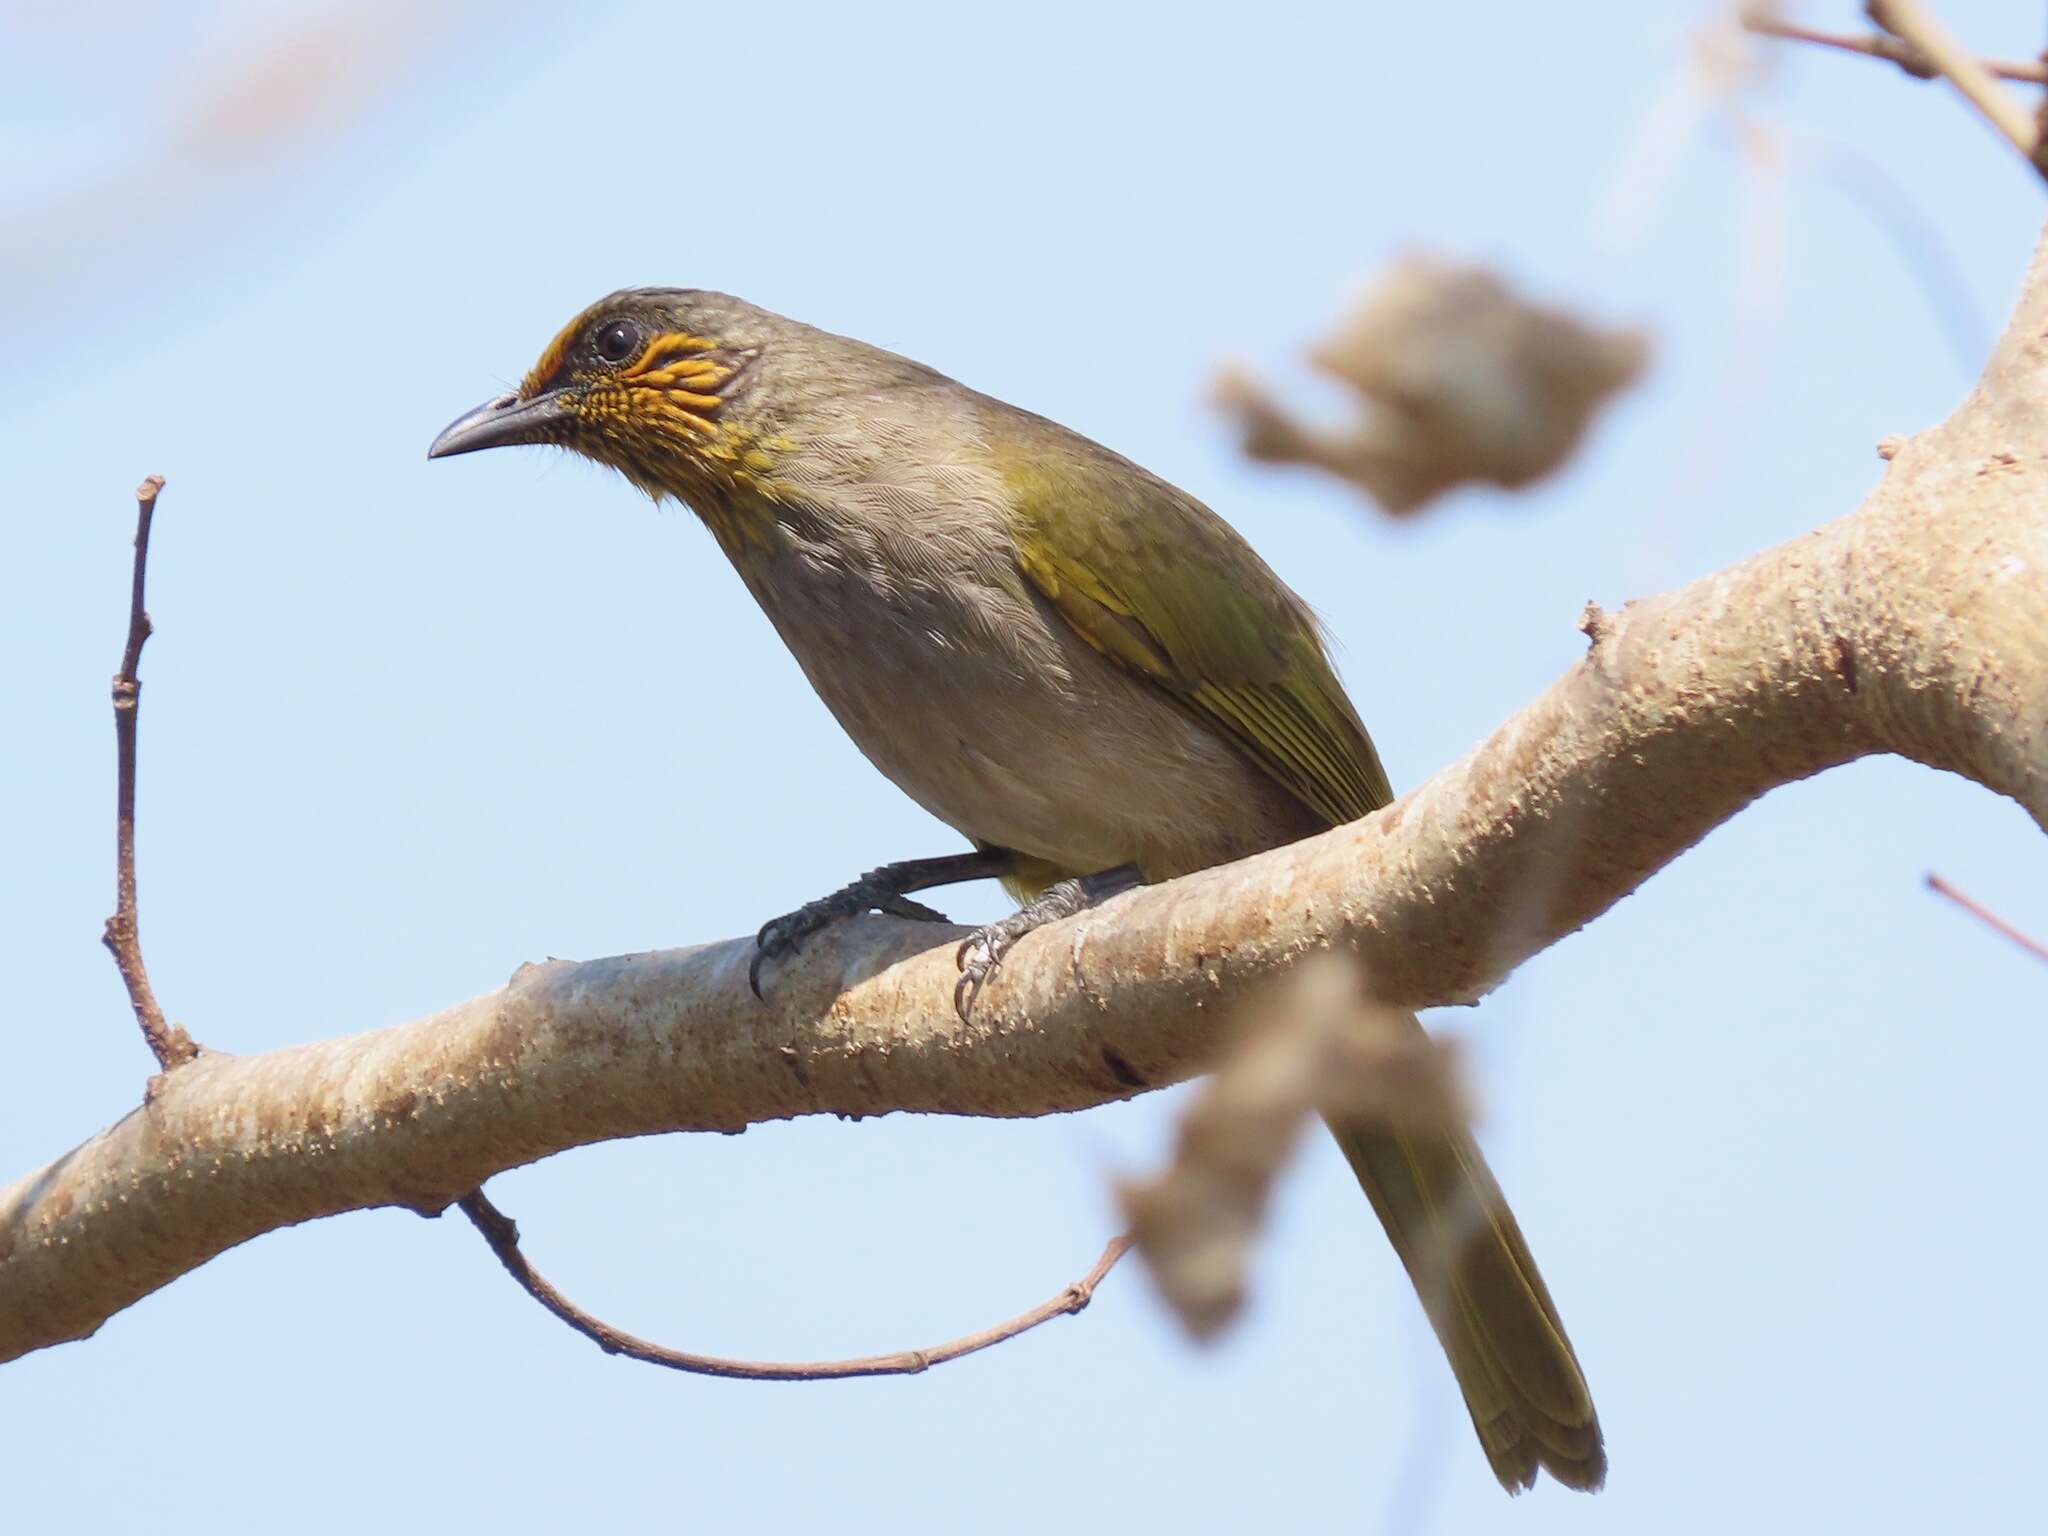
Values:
[(1910, 627)]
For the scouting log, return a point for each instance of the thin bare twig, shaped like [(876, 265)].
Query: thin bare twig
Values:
[(170, 1044), (499, 1231), (1882, 45), (1987, 917), (1914, 24)]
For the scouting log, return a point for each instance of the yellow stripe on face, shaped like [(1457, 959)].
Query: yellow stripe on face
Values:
[(696, 374), (658, 420), (690, 420), (694, 401), (673, 357), (542, 374), (671, 349)]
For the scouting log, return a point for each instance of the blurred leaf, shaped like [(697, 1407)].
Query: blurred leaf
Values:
[(1322, 1046), (1460, 381)]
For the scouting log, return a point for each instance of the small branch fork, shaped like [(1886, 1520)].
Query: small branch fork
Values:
[(1916, 40), (170, 1044), (1883, 45), (500, 1232), (1987, 917)]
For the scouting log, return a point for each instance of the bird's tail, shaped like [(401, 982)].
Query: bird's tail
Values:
[(1479, 1285)]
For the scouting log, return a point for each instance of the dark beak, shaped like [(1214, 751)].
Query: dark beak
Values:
[(502, 422)]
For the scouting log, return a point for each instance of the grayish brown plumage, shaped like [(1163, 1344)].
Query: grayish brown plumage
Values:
[(1062, 656)]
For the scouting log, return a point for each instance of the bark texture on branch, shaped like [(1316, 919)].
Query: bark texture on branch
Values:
[(1918, 626)]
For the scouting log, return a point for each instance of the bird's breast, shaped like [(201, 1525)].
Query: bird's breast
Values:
[(982, 705)]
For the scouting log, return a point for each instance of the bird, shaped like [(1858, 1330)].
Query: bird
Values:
[(1072, 662)]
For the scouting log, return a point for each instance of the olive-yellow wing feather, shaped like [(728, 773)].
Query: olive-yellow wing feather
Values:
[(1161, 585)]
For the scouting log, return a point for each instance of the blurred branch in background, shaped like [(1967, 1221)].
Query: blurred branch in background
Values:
[(175, 116), (1765, 22), (1720, 84), (1460, 383), (1915, 39), (1921, 30)]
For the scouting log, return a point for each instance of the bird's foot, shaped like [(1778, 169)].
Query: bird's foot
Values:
[(785, 935), (879, 890), (981, 954)]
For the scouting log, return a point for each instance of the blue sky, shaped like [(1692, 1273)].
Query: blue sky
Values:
[(1772, 1125)]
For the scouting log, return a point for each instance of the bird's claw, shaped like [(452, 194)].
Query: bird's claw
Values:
[(916, 911), (766, 944), (785, 935), (979, 956)]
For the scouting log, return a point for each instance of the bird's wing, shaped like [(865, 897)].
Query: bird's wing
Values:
[(1156, 581)]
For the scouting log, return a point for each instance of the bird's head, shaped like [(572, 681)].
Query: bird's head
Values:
[(648, 381)]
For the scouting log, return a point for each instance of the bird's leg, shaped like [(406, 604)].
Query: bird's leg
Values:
[(879, 890), (983, 952)]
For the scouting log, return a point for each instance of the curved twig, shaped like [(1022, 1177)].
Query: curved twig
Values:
[(502, 1234)]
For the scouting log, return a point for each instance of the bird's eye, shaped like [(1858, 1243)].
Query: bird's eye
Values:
[(618, 341)]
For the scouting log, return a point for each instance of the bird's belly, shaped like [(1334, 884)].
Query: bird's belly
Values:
[(1034, 741)]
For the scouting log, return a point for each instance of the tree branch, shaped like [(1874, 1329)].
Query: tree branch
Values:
[(1911, 627), (499, 1231), (170, 1044), (1917, 27), (1882, 45)]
